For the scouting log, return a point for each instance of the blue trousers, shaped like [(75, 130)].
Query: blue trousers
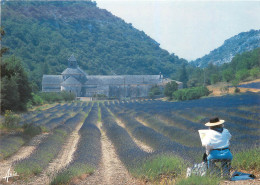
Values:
[(220, 154), (223, 156)]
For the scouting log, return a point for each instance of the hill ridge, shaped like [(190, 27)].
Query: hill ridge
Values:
[(45, 34), (242, 42)]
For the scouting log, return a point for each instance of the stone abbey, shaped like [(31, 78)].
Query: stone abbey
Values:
[(75, 80)]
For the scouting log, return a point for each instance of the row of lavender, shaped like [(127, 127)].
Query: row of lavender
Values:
[(153, 137), (142, 164), (169, 128), (49, 148), (180, 121), (45, 120), (88, 153), (45, 116)]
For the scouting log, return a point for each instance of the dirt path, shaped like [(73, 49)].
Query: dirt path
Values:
[(111, 171), (245, 182), (64, 157), (22, 153)]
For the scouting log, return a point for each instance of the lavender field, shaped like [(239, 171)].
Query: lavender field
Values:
[(127, 142)]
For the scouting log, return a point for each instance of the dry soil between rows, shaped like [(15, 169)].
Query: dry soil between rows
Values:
[(111, 170), (24, 152), (64, 157)]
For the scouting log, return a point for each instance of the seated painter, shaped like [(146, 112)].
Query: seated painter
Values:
[(216, 142)]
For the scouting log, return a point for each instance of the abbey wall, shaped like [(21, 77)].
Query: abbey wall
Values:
[(75, 80)]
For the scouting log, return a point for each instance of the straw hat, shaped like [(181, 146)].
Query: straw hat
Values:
[(214, 122)]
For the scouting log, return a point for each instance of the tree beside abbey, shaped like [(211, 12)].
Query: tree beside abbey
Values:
[(102, 43), (41, 35)]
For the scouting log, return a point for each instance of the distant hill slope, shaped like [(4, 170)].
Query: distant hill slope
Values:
[(245, 41), (45, 34)]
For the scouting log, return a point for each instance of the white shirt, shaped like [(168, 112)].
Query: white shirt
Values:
[(216, 140)]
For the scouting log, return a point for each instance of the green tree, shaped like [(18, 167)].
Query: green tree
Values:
[(196, 77), (212, 74), (235, 83), (44, 45), (154, 91), (255, 72), (228, 75), (3, 49), (243, 66), (214, 78), (170, 88), (184, 76), (242, 74), (9, 94), (16, 89)]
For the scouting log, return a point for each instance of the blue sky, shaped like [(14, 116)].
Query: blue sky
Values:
[(190, 29)]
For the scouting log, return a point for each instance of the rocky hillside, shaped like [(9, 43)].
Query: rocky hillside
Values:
[(43, 34), (245, 41)]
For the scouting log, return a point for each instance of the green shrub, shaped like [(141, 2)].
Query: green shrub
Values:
[(36, 99), (51, 97), (247, 160), (154, 91), (237, 90), (31, 130), (198, 180), (170, 88), (153, 168), (28, 168), (100, 96), (67, 96), (11, 120), (76, 170), (29, 104), (190, 93)]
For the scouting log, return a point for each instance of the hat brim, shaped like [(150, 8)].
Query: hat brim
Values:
[(215, 124)]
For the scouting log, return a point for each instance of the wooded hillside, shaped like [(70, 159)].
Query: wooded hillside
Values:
[(45, 34)]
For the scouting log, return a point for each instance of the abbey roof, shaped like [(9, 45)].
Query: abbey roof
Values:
[(71, 81), (72, 58), (73, 71), (52, 79), (122, 79)]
